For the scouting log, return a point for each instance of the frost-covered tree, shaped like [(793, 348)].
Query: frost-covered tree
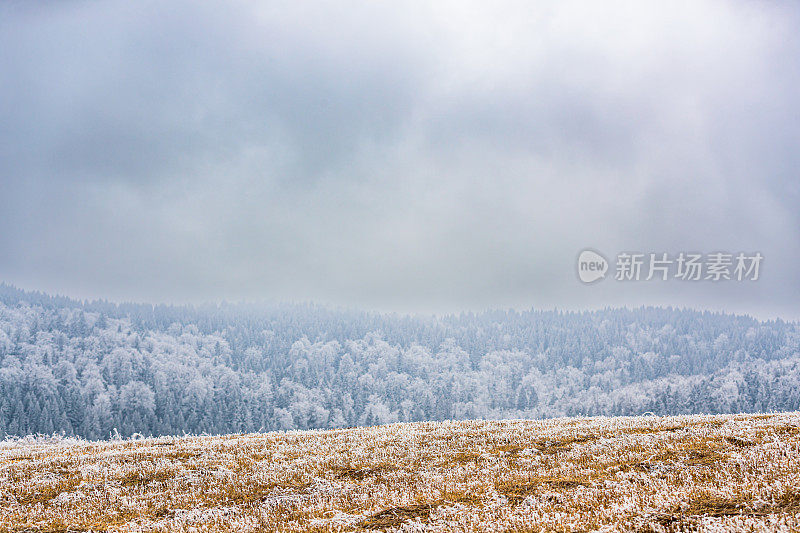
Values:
[(89, 368)]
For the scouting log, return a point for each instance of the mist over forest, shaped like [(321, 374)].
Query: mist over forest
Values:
[(97, 369)]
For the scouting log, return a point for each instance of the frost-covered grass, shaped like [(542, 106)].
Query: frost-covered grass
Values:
[(732, 472)]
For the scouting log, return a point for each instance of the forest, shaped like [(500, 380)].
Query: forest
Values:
[(97, 369)]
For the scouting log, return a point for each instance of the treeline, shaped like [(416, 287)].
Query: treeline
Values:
[(96, 368)]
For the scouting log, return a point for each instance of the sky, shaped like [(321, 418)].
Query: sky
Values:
[(398, 156)]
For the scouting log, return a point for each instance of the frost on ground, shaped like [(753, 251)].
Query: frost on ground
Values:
[(732, 472)]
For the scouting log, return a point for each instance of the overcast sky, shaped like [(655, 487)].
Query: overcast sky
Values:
[(397, 155)]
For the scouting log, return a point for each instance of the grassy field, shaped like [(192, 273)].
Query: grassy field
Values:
[(733, 472)]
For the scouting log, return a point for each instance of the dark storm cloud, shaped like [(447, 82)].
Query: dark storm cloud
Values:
[(395, 156)]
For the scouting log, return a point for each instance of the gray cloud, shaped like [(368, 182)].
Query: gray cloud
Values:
[(407, 157)]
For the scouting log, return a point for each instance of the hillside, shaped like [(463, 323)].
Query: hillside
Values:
[(645, 473), (90, 369)]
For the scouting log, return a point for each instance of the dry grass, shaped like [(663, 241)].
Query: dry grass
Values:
[(397, 516), (737, 472)]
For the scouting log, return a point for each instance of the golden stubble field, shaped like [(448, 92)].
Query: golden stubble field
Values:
[(713, 473)]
